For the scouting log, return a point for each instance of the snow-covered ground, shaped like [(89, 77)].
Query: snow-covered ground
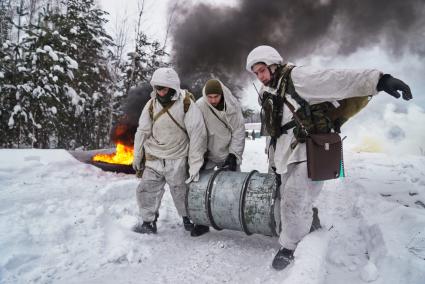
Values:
[(63, 221)]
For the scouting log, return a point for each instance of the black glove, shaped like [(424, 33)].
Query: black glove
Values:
[(230, 162), (139, 172), (392, 85)]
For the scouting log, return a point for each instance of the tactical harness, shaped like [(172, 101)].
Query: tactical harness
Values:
[(186, 104), (154, 117)]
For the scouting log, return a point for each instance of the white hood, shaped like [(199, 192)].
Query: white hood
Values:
[(166, 77), (263, 53)]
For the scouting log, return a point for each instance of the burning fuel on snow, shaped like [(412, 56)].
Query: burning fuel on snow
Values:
[(123, 155), (123, 132)]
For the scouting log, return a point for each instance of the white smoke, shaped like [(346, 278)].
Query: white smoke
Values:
[(392, 128)]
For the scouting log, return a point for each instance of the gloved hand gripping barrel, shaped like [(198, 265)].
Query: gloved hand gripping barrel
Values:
[(234, 200)]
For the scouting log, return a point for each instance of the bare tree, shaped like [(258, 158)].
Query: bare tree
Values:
[(120, 36), (5, 16), (140, 7), (32, 9), (169, 24)]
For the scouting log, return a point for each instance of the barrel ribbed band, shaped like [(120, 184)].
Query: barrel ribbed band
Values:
[(208, 193), (242, 202)]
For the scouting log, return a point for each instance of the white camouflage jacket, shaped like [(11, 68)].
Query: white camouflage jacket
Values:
[(165, 140)]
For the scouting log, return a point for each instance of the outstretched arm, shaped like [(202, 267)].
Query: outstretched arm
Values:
[(317, 85)]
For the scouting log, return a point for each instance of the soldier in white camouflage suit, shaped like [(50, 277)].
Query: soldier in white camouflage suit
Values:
[(287, 157)]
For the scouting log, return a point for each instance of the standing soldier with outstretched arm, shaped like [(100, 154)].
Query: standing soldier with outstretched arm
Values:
[(304, 88)]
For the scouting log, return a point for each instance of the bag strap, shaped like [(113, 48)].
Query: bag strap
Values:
[(150, 109), (188, 97), (304, 105), (186, 104), (161, 112), (296, 117), (286, 71), (225, 125), (178, 124), (285, 84)]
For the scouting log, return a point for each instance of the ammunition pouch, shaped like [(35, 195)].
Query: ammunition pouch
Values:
[(317, 123), (271, 114)]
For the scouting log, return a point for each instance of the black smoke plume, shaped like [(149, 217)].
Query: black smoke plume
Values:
[(126, 126), (216, 40)]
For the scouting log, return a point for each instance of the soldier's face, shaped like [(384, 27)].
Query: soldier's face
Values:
[(214, 99), (161, 91), (262, 72)]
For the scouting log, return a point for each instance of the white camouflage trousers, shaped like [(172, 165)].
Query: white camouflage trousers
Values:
[(151, 188), (298, 193)]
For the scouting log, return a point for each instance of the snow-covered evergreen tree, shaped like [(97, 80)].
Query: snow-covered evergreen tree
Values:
[(58, 88), (51, 70), (83, 25), (16, 102), (13, 116), (35, 84)]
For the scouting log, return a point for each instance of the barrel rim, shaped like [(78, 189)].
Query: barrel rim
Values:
[(208, 193), (188, 190), (242, 202)]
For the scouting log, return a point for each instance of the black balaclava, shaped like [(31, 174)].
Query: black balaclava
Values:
[(166, 100)]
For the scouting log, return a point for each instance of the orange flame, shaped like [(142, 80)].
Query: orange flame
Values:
[(123, 155)]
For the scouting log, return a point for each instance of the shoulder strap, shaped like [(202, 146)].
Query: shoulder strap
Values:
[(290, 88), (162, 111), (187, 101), (178, 124), (150, 109), (286, 85), (165, 110), (225, 125), (296, 117), (285, 79)]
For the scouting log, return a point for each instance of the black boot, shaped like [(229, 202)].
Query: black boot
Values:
[(145, 228), (283, 258), (154, 222), (315, 225), (199, 230), (188, 225)]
